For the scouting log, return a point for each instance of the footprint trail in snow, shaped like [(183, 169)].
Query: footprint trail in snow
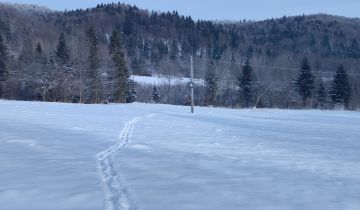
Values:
[(116, 193)]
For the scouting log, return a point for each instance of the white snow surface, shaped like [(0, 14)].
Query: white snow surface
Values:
[(162, 80), (90, 157)]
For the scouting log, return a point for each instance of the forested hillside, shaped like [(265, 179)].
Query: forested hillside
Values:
[(88, 55)]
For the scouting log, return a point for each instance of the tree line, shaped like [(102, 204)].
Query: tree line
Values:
[(117, 86), (54, 78), (69, 57), (250, 91)]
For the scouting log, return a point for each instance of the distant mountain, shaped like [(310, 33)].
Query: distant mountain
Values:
[(161, 43), (30, 8)]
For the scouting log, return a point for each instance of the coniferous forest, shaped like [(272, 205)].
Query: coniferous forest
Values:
[(89, 56)]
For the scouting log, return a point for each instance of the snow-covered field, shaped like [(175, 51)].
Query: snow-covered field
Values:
[(158, 157), (158, 80)]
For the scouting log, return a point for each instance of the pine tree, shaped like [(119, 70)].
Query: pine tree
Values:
[(40, 55), (62, 51), (131, 92), (321, 96), (174, 51), (45, 81), (146, 49), (3, 68), (354, 49), (155, 95), (304, 83), (39, 50), (128, 27), (27, 53), (246, 82), (211, 86), (340, 91), (121, 74), (93, 80)]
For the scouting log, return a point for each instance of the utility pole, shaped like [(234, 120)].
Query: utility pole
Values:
[(192, 84)]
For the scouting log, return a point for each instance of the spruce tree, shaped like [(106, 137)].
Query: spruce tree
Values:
[(131, 92), (174, 51), (321, 96), (211, 86), (340, 91), (155, 97), (304, 82), (62, 51), (39, 50), (121, 74), (44, 81), (246, 82), (93, 80), (3, 68), (40, 55)]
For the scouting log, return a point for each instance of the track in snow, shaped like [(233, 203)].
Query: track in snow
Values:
[(116, 194)]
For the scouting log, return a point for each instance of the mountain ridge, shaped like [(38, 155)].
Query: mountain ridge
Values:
[(152, 37)]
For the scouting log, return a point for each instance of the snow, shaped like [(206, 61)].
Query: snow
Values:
[(159, 80), (142, 156), (27, 8)]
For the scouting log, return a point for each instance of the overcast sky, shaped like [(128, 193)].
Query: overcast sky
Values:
[(222, 9)]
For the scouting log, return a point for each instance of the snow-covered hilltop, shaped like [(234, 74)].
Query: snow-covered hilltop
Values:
[(28, 8)]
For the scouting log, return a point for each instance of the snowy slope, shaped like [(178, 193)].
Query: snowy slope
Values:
[(152, 157), (165, 80), (27, 8)]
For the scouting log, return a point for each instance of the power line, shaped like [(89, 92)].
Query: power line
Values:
[(79, 67), (274, 67), (135, 65)]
